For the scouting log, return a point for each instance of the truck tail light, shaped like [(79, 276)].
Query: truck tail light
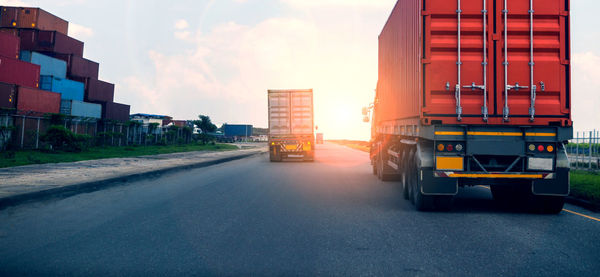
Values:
[(450, 147), (441, 147), (550, 148), (541, 148)]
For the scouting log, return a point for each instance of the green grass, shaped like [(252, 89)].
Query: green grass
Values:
[(585, 185), (95, 153)]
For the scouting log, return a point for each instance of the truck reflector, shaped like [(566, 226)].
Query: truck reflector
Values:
[(450, 163)]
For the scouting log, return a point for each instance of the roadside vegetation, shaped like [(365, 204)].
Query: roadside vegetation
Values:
[(586, 186), (63, 145), (10, 159)]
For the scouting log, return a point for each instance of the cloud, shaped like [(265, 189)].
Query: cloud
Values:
[(80, 32), (181, 24), (339, 3), (585, 82), (226, 70), (14, 3)]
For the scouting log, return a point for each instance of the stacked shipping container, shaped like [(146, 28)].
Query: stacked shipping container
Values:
[(52, 61)]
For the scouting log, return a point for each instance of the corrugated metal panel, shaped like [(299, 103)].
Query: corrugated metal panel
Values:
[(290, 112), (18, 72), (420, 62), (8, 16), (97, 90), (69, 89), (115, 111), (9, 45), (8, 96), (81, 109), (39, 19), (50, 41), (236, 130), (49, 66), (37, 101)]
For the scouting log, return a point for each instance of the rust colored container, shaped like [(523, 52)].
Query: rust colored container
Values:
[(484, 70), (115, 111), (8, 96), (8, 16), (78, 66), (37, 101), (10, 31), (97, 91), (50, 41), (13, 71), (37, 18), (9, 45)]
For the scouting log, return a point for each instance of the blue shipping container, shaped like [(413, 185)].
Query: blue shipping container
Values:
[(237, 130), (80, 109), (49, 66), (69, 90)]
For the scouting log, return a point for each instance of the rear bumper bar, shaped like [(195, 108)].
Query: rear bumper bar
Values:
[(477, 175)]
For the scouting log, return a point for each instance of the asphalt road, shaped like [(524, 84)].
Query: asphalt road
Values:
[(252, 217)]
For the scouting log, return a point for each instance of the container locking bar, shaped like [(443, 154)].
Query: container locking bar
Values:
[(457, 92), (507, 87), (532, 64), (473, 86)]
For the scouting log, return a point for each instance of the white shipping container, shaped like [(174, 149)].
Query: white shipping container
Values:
[(290, 112)]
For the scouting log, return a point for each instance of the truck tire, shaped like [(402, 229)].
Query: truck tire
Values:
[(422, 202), (374, 166), (274, 155), (547, 204), (384, 171), (403, 174)]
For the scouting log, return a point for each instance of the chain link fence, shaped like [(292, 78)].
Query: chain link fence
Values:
[(584, 151), (19, 131)]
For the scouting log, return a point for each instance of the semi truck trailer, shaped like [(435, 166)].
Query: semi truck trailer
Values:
[(475, 93), (291, 125)]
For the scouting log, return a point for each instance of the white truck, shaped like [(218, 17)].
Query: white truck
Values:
[(291, 125)]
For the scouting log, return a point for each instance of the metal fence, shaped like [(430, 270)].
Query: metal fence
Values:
[(584, 151), (26, 132)]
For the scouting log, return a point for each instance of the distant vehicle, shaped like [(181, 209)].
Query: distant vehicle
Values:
[(475, 95), (291, 132), (319, 138), (232, 130)]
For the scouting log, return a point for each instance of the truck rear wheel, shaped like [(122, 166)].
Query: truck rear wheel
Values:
[(384, 171), (403, 174), (422, 202), (274, 155), (548, 204)]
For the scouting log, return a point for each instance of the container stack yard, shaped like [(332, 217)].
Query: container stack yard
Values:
[(43, 71)]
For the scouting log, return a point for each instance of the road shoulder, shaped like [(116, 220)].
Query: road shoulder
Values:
[(25, 183)]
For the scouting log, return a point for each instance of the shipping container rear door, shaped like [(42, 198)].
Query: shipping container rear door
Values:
[(468, 82), (537, 79), (302, 112), (454, 80), (279, 113)]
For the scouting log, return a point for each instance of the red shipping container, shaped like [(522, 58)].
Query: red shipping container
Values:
[(9, 45), (78, 66), (8, 96), (50, 41), (115, 111), (430, 71), (37, 101), (18, 72), (8, 16), (37, 18), (10, 31)]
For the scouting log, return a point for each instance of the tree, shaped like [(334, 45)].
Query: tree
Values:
[(206, 126)]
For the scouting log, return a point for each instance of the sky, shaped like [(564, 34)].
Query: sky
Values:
[(219, 57)]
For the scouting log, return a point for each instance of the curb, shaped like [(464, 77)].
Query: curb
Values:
[(106, 183), (583, 203)]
